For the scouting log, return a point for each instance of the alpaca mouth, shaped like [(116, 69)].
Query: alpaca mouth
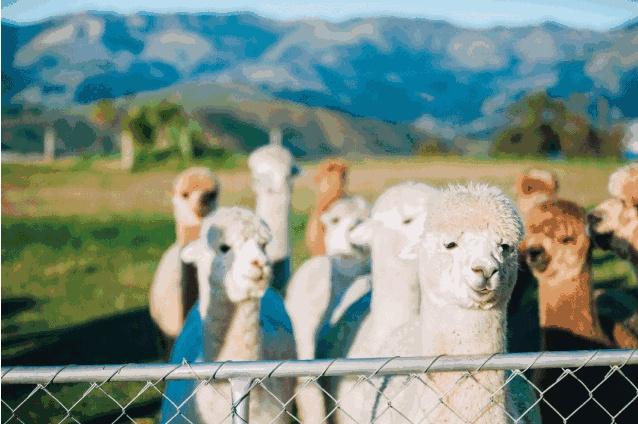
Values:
[(602, 240)]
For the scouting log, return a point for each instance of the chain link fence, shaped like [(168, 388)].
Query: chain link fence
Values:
[(564, 387)]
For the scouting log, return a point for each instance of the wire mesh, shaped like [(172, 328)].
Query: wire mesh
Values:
[(563, 387)]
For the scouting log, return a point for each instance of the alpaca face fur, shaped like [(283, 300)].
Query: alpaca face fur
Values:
[(533, 187), (273, 171), (614, 226), (195, 195), (556, 245), (339, 220), (231, 252)]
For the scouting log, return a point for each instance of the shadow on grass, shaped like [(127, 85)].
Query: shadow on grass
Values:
[(14, 305), (127, 337), (603, 258)]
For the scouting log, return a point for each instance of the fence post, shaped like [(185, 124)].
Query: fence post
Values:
[(49, 144), (240, 394)]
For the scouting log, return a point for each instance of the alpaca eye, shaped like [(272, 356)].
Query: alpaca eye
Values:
[(224, 248), (185, 195), (505, 247), (566, 240), (407, 221), (334, 220), (450, 245)]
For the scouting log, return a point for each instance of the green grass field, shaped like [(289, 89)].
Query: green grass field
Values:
[(80, 242)]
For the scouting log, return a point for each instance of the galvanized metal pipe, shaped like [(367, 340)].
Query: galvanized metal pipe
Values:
[(304, 368), (240, 395)]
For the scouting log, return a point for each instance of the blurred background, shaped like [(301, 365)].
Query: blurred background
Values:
[(103, 103)]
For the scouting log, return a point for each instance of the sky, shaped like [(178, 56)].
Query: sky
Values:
[(593, 14)]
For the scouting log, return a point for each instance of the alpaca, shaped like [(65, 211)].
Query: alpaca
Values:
[(557, 249), (273, 170), (233, 272), (315, 297), (195, 194), (467, 263), (389, 327), (534, 186), (331, 181), (614, 223)]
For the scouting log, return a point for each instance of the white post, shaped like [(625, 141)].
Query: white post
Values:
[(275, 136), (49, 144), (127, 150), (240, 395)]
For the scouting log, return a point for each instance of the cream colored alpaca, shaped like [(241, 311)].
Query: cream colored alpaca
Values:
[(273, 170), (315, 297), (614, 223), (467, 269), (391, 327), (234, 272), (195, 194)]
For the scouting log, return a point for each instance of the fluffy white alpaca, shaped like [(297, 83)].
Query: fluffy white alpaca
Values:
[(390, 328), (195, 194), (315, 293), (234, 272), (273, 170), (467, 269)]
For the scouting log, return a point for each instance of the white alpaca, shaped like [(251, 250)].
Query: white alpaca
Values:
[(273, 170), (234, 272), (468, 263), (390, 328), (195, 194), (315, 293)]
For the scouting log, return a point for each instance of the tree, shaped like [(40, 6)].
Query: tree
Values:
[(543, 126)]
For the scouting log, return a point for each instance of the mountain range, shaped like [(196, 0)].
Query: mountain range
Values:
[(438, 77)]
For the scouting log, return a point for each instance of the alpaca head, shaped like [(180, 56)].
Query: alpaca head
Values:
[(339, 220), (395, 221), (331, 176), (614, 222), (467, 252), (623, 184), (273, 170), (195, 193), (533, 187), (231, 252), (556, 245)]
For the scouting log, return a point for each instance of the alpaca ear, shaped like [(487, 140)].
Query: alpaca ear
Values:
[(410, 251), (192, 251), (361, 235)]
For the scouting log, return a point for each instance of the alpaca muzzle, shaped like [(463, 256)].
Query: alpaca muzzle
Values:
[(537, 258)]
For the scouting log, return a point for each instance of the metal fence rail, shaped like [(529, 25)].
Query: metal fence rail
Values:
[(29, 394)]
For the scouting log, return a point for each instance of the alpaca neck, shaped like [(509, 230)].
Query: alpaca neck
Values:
[(395, 291), (327, 198), (452, 330), (568, 306), (274, 209), (231, 330), (187, 233)]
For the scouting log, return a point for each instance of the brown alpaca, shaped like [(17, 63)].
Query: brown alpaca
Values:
[(557, 249), (174, 288), (614, 222), (331, 180), (533, 187)]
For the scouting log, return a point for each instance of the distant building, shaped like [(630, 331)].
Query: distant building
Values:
[(630, 141)]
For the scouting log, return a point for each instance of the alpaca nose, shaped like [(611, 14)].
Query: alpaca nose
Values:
[(257, 263), (593, 219), (534, 253), (485, 270)]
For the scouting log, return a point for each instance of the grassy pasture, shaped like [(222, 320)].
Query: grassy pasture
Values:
[(80, 242)]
